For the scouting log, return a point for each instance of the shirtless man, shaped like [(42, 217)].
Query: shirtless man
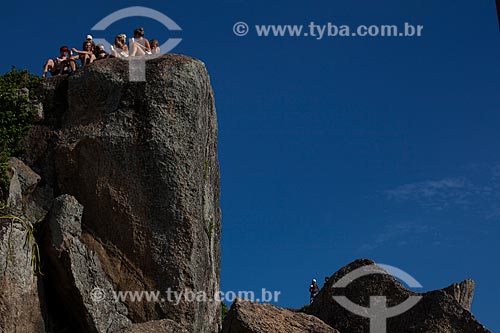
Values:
[(64, 64), (86, 56)]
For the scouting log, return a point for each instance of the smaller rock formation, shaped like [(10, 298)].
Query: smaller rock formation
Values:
[(76, 272), (248, 317), (23, 181), (20, 306), (439, 311), (463, 292), (19, 303), (26, 195)]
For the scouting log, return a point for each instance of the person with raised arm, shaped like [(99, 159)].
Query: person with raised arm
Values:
[(86, 56), (64, 64)]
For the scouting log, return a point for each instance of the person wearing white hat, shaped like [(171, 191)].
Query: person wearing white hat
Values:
[(314, 290), (89, 39), (86, 55)]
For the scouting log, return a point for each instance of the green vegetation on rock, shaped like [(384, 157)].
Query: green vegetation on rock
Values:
[(16, 115), (224, 310), (29, 237)]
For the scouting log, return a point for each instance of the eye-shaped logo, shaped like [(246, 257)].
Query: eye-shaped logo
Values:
[(137, 65), (378, 312)]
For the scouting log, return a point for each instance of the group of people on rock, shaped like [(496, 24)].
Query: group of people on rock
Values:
[(66, 62), (314, 289)]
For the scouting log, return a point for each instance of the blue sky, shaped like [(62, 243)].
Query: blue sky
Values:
[(333, 149)]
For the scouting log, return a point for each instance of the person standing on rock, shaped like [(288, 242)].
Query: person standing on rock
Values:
[(314, 290)]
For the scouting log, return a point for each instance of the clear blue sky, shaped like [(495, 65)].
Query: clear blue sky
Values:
[(333, 149)]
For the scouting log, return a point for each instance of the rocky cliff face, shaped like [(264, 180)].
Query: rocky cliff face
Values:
[(141, 160)]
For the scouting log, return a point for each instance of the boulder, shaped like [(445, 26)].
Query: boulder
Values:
[(249, 317), (141, 157), (75, 274), (439, 311), (26, 195), (23, 182)]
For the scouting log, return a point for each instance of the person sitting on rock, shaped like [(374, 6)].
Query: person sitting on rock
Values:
[(155, 47), (119, 49), (101, 52), (86, 56), (89, 39), (139, 45), (64, 64), (314, 290)]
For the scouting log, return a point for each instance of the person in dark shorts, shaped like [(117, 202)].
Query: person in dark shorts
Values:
[(64, 64), (86, 55)]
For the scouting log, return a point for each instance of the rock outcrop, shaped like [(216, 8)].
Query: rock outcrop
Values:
[(463, 292), (20, 288), (141, 157), (20, 306), (26, 194), (23, 182), (248, 317), (75, 274), (439, 311)]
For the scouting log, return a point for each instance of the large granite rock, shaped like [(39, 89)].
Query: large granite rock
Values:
[(76, 276), (440, 311), (141, 157), (248, 317)]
